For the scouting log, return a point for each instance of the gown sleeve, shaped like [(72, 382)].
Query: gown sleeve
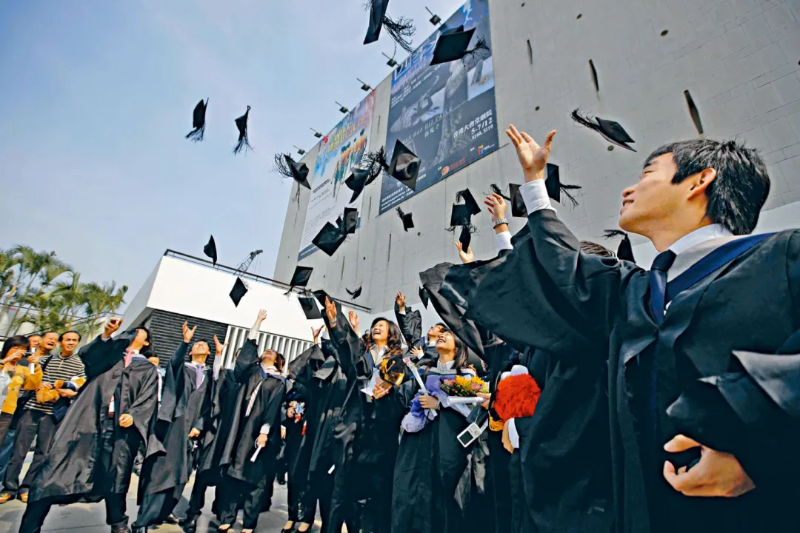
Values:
[(410, 324), (144, 403), (246, 361)]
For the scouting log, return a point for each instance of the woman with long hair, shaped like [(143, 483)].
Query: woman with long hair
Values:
[(430, 459), (370, 419)]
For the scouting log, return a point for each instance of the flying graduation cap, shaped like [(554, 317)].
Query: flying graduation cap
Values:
[(300, 277), (462, 213), (469, 201), (348, 221), (375, 163), (625, 250), (210, 250), (612, 131), (329, 238), (554, 186), (238, 291), (198, 122), (453, 44), (408, 222), (310, 308), (465, 238), (400, 30), (241, 125), (514, 198), (357, 181), (284, 165), (404, 166), (354, 294)]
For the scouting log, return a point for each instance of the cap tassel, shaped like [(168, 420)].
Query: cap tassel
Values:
[(376, 163), (583, 121), (196, 135), (499, 192), (480, 46), (400, 30), (566, 188), (280, 166)]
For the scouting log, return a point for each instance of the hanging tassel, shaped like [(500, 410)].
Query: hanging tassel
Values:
[(280, 166), (198, 122), (566, 188), (376, 163), (586, 121), (479, 48), (400, 30)]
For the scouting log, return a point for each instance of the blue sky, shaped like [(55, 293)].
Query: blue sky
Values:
[(96, 97)]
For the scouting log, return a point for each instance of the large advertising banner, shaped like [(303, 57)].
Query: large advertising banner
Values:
[(445, 113), (340, 151)]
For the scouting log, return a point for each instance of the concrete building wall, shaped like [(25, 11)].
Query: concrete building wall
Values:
[(738, 58)]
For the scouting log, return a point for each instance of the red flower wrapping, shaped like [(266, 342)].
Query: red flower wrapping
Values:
[(517, 396)]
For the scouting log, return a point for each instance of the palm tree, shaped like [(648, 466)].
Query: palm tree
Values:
[(41, 299), (31, 264), (72, 295), (101, 301)]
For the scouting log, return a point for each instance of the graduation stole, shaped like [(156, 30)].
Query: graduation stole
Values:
[(711, 262)]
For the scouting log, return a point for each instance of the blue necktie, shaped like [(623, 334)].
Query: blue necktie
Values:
[(658, 283)]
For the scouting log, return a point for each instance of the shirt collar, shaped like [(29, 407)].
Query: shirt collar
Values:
[(698, 236)]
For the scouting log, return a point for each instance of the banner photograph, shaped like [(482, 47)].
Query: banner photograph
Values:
[(444, 113), (340, 151)]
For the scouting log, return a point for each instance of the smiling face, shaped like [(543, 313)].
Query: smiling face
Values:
[(380, 331), (69, 342), (268, 357), (49, 341), (200, 350), (435, 331), (34, 341), (650, 203), (445, 343)]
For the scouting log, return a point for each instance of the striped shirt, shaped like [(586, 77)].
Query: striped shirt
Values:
[(58, 368)]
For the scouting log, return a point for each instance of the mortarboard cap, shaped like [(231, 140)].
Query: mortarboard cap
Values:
[(377, 12), (310, 308), (238, 291), (299, 171), (555, 187), (243, 143), (329, 239), (198, 122), (300, 277), (460, 215), (452, 45), (518, 208), (210, 250), (465, 238), (408, 221), (357, 181), (354, 294), (625, 250), (350, 220), (612, 131), (404, 166), (469, 201), (423, 296)]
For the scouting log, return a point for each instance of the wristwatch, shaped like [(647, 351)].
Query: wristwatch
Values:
[(500, 221)]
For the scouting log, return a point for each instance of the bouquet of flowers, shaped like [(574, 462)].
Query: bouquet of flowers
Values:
[(464, 386)]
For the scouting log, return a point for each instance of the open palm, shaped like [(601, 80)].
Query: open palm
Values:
[(532, 157)]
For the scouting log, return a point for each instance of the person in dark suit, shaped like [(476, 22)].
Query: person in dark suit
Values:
[(712, 289)]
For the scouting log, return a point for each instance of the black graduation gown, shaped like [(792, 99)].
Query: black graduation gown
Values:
[(430, 464), (245, 428), (561, 473), (410, 324), (578, 303), (168, 461), (78, 467), (219, 422)]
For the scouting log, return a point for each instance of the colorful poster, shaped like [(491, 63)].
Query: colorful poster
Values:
[(340, 151), (445, 113)]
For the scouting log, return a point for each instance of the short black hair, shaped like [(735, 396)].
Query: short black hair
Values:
[(13, 342), (61, 337), (739, 191), (592, 248), (149, 350)]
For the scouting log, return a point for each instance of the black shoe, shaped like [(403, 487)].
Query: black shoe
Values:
[(138, 529), (189, 525)]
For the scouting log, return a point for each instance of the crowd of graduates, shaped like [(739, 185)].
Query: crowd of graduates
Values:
[(565, 390)]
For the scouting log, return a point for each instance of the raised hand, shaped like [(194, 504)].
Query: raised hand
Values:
[(532, 157), (262, 316), (194, 433), (112, 325), (466, 257), (400, 300), (354, 320), (219, 346), (125, 421), (497, 206), (316, 333), (330, 310), (188, 333)]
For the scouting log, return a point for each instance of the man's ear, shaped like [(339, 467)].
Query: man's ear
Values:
[(700, 182)]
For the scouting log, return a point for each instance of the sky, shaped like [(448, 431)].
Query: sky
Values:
[(96, 97)]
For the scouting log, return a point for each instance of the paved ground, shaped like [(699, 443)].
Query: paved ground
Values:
[(91, 518)]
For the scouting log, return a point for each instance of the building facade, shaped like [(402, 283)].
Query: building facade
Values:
[(631, 61)]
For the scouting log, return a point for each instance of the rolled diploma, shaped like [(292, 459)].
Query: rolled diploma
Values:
[(413, 367)]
